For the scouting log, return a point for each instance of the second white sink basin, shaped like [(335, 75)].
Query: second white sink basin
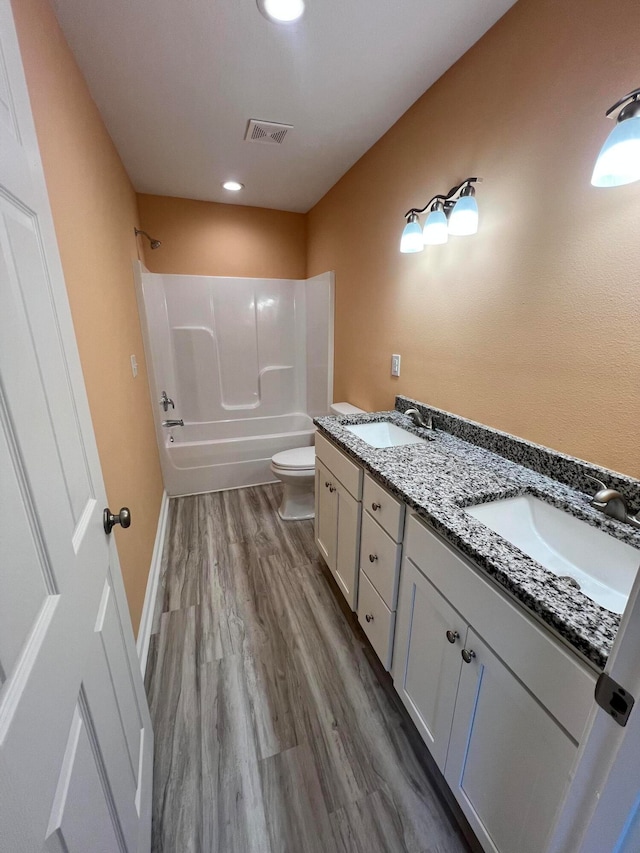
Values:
[(384, 434), (602, 566)]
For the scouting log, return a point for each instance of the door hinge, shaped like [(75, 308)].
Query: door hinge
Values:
[(614, 699)]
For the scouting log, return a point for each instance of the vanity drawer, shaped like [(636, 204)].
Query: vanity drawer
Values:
[(349, 474), (380, 560), (377, 620), (387, 510)]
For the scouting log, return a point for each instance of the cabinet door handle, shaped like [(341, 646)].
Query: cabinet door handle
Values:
[(327, 484), (332, 488), (452, 636), (369, 617), (467, 655), (373, 558), (375, 506)]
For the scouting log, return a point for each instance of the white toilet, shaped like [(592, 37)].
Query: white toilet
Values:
[(296, 469)]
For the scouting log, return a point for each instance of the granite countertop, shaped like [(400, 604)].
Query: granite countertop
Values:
[(439, 478)]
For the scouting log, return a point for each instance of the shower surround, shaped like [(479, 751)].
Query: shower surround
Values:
[(248, 363)]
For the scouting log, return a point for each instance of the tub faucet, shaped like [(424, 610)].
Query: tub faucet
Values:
[(179, 422), (612, 503)]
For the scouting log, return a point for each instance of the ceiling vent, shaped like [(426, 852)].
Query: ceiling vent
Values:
[(267, 132)]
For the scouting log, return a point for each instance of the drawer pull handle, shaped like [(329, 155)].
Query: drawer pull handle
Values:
[(467, 655), (373, 558), (369, 617), (452, 636), (375, 506)]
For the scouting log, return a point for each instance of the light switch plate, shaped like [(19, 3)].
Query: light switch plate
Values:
[(395, 365), (134, 366)]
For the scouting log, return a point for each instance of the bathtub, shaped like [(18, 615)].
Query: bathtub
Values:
[(231, 454)]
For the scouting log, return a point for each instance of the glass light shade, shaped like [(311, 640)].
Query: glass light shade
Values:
[(435, 229), (412, 240), (463, 219), (619, 160), (283, 11)]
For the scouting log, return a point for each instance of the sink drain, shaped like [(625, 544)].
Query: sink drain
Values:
[(571, 581)]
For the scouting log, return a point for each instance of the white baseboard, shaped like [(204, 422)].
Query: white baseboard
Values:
[(149, 606)]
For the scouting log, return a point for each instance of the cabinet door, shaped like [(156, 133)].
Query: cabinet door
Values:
[(347, 559), (508, 760), (326, 521), (426, 664)]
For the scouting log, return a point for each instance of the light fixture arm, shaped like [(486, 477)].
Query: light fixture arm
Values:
[(632, 97), (447, 199)]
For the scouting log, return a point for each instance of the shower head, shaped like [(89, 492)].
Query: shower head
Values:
[(154, 243)]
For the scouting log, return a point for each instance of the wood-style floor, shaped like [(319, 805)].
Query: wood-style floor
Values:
[(273, 732)]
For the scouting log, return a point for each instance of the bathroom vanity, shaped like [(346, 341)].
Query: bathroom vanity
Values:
[(494, 657)]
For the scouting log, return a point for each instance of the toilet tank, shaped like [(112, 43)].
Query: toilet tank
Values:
[(345, 409)]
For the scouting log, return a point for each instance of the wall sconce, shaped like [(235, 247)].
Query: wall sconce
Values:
[(454, 213), (618, 162)]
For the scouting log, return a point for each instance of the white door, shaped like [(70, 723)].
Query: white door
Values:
[(426, 666), (75, 732), (347, 547), (326, 521), (508, 761)]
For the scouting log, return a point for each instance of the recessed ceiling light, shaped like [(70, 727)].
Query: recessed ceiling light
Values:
[(234, 186), (282, 11)]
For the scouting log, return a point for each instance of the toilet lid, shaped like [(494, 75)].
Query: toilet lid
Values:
[(297, 457)]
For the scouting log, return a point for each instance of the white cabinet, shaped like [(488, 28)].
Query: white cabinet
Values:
[(508, 761), (326, 519), (338, 513), (429, 637), (499, 702)]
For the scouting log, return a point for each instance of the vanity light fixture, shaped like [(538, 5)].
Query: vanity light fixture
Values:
[(232, 186), (454, 213), (281, 11), (618, 162)]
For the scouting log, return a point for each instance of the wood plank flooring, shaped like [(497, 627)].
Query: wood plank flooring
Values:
[(273, 731)]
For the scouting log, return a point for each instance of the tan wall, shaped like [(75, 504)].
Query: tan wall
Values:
[(205, 238), (532, 325), (94, 211)]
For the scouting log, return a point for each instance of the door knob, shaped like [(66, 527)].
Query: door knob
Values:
[(109, 520), (375, 506), (373, 558), (368, 617), (452, 636), (467, 655)]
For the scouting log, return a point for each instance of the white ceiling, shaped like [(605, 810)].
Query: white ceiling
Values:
[(177, 80)]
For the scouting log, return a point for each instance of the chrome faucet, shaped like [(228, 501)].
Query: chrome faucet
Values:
[(165, 401), (416, 417), (179, 422), (612, 503)]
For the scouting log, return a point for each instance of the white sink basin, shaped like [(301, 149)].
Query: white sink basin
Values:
[(604, 567), (384, 434)]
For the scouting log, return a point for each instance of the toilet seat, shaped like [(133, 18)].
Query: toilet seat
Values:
[(296, 459)]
